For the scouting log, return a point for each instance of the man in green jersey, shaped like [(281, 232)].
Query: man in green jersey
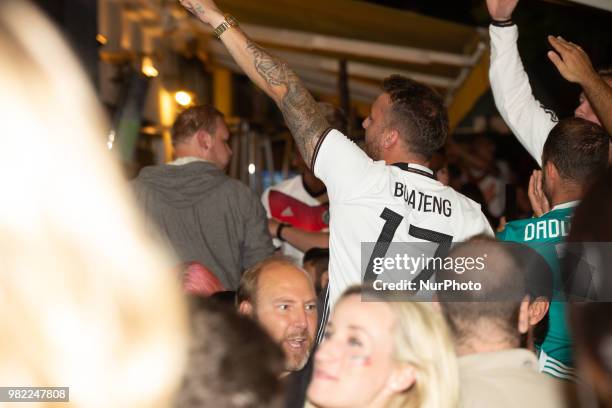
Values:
[(574, 154)]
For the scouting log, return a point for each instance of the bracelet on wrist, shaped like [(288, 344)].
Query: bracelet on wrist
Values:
[(279, 231), (502, 23), (228, 21)]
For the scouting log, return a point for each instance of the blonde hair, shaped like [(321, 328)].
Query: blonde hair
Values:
[(423, 341), (87, 300)]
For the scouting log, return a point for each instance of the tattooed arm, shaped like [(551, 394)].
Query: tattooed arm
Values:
[(273, 76)]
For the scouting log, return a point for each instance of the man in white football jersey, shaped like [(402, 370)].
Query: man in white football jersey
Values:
[(391, 196)]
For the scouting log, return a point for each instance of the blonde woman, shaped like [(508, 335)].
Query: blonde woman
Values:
[(87, 300), (381, 354)]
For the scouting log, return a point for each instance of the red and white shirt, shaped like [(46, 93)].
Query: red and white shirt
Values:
[(291, 203)]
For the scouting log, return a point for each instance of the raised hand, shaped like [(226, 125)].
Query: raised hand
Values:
[(271, 75), (501, 10), (571, 61), (537, 198)]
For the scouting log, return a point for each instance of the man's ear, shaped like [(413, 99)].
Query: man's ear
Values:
[(390, 138), (523, 319), (204, 139), (552, 173), (402, 378), (537, 310), (245, 308)]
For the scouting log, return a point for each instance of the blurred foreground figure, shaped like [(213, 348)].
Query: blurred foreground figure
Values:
[(384, 353), (233, 363), (590, 323), (87, 301)]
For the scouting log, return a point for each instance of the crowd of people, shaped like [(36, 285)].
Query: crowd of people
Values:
[(183, 288)]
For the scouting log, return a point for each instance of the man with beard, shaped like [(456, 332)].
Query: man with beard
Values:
[(281, 298), (388, 195), (575, 154)]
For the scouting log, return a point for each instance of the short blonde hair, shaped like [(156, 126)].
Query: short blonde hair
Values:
[(247, 288), (87, 299), (423, 341)]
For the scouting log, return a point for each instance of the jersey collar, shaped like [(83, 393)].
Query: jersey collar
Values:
[(569, 204), (416, 168)]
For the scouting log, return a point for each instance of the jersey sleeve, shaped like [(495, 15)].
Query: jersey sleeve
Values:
[(342, 166), (480, 225), (514, 99)]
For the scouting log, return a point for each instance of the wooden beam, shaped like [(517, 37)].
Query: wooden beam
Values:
[(222, 90)]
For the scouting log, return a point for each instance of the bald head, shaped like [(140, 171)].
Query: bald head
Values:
[(502, 288), (281, 297), (273, 272)]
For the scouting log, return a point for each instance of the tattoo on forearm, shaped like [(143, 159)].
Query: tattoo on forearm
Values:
[(273, 72), (299, 108), (195, 9)]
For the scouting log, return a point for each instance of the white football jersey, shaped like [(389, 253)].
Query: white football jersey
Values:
[(371, 201)]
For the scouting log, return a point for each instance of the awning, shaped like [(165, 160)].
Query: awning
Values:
[(314, 36)]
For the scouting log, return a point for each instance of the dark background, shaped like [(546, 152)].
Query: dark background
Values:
[(589, 27)]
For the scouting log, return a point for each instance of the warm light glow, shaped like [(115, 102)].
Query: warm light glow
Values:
[(149, 130), (167, 114), (148, 69), (110, 140), (183, 98), (101, 39), (251, 168)]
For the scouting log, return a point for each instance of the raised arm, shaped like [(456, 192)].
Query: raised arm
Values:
[(299, 238), (575, 66), (272, 75), (513, 95)]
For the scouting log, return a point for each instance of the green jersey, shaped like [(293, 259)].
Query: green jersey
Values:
[(546, 235)]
